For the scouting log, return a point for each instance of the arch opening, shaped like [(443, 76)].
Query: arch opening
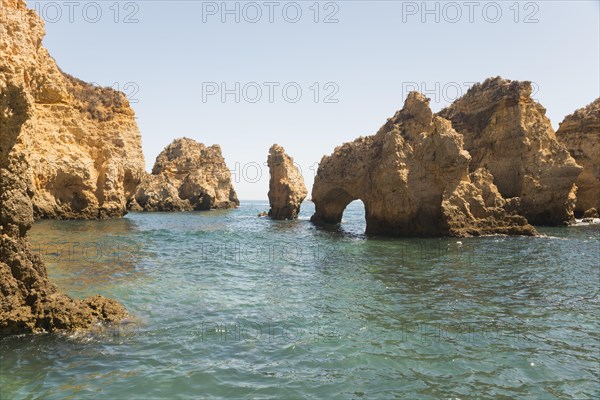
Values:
[(330, 207), (338, 203), (354, 219)]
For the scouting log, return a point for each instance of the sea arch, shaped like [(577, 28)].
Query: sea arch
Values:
[(329, 208)]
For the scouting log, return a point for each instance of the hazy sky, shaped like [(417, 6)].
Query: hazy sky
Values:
[(190, 69)]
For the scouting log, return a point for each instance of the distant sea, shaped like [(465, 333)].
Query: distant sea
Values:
[(225, 304)]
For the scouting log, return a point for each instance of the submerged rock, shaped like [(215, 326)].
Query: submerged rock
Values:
[(413, 179), (508, 133), (186, 176), (81, 142), (29, 302), (286, 186), (580, 133)]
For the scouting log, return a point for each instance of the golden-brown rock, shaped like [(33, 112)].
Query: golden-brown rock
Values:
[(508, 133), (286, 185), (475, 207), (29, 302), (413, 179), (186, 176), (580, 133), (81, 142)]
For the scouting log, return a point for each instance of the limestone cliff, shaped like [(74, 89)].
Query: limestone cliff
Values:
[(580, 133), (413, 179), (81, 142), (508, 133), (286, 185), (29, 302), (186, 176)]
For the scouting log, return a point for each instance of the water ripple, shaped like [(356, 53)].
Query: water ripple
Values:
[(228, 305)]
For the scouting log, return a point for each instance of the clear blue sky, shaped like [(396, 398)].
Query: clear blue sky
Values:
[(172, 56)]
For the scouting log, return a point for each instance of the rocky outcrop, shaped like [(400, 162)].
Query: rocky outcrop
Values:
[(580, 133), (413, 179), (591, 213), (29, 302), (83, 147), (286, 186), (476, 207), (186, 176), (508, 133)]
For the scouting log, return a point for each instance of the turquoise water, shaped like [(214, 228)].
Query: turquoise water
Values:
[(228, 305)]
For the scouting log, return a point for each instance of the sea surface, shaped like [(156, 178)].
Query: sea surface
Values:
[(225, 304)]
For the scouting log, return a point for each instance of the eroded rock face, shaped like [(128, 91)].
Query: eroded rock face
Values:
[(186, 176), (413, 179), (286, 186), (508, 133), (83, 147), (476, 207), (580, 133), (29, 302)]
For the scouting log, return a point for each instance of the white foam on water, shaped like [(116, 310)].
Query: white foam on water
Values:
[(586, 221)]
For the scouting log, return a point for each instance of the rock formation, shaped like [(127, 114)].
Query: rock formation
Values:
[(29, 302), (413, 179), (286, 186), (580, 133), (591, 213), (84, 156), (476, 207), (186, 176), (508, 133)]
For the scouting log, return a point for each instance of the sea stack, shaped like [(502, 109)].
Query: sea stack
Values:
[(580, 133), (286, 185), (507, 132), (81, 142), (186, 176), (413, 178)]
